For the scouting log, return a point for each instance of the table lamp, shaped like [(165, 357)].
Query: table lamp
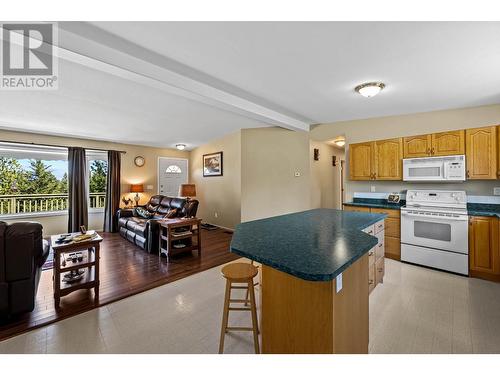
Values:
[(137, 188), (187, 191)]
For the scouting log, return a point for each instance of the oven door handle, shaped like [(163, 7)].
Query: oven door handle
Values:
[(436, 217)]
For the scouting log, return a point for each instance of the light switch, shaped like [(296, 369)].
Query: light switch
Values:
[(149, 187), (496, 191)]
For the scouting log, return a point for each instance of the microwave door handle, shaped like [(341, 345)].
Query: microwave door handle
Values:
[(445, 171)]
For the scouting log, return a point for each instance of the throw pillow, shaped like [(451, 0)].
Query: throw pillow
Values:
[(142, 212), (171, 213)]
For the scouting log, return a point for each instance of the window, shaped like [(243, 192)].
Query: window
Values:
[(33, 179), (173, 169), (98, 172)]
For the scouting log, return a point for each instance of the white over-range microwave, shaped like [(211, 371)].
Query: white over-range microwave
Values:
[(435, 169)]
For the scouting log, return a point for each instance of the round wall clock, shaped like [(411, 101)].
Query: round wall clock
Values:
[(139, 161)]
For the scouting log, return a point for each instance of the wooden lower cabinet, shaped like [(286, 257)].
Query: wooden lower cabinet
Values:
[(356, 208), (392, 238), (376, 259), (484, 247), (379, 271), (392, 229)]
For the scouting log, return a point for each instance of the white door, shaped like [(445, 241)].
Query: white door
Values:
[(171, 174)]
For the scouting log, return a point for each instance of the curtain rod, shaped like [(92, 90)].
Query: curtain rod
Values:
[(47, 145)]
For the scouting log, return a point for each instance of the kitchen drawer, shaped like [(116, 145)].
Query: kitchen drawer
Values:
[(370, 230), (392, 247), (371, 256), (371, 278), (379, 271), (379, 226), (388, 211), (380, 247), (392, 227), (356, 208)]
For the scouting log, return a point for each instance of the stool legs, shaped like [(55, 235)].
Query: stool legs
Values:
[(225, 316), (255, 323), (252, 309)]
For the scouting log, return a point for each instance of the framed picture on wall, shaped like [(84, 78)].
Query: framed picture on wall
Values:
[(212, 164)]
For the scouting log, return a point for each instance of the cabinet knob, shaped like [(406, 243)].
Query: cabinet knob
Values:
[(468, 174), (428, 151), (432, 151)]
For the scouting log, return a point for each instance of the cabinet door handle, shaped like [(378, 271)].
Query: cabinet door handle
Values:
[(428, 151), (432, 151), (374, 176), (468, 174), (370, 282)]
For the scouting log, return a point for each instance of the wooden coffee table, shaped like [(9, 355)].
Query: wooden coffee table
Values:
[(168, 237), (90, 263)]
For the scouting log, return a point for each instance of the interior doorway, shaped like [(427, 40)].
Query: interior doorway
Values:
[(172, 173)]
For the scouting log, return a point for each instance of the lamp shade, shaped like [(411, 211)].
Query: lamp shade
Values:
[(187, 190), (136, 188)]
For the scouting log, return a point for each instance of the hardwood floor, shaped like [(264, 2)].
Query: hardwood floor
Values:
[(125, 270)]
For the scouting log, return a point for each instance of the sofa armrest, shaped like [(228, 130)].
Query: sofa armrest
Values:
[(125, 212)]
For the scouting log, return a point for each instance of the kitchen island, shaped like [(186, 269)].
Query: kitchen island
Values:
[(314, 280)]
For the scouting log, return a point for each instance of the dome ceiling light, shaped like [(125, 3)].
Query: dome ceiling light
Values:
[(369, 89), (180, 146)]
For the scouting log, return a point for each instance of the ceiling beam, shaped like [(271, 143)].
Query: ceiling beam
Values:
[(92, 47)]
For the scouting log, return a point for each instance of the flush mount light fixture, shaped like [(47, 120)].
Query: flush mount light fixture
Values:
[(180, 146), (340, 142), (369, 89)]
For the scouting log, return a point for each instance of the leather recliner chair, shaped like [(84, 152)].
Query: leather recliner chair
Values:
[(145, 232), (22, 255)]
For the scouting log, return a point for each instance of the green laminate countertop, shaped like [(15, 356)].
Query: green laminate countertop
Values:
[(312, 245)]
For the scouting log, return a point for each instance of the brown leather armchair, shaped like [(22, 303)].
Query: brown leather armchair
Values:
[(22, 255)]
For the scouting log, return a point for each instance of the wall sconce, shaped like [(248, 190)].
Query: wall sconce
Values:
[(316, 154)]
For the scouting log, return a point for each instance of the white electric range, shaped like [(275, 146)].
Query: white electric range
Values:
[(434, 230)]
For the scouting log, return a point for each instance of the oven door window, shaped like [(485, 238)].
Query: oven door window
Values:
[(424, 171), (432, 230)]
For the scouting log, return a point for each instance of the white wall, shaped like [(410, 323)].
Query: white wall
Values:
[(269, 159)]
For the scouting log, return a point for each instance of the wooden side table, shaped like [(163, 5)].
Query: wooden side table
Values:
[(90, 263), (170, 237)]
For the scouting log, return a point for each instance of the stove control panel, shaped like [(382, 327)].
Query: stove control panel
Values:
[(437, 198)]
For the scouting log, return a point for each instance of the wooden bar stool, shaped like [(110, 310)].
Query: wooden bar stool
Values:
[(239, 273)]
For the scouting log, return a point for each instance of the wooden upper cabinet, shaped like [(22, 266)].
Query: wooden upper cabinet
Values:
[(481, 153), (388, 159), (361, 161), (418, 146), (498, 151), (437, 144), (448, 143), (484, 251)]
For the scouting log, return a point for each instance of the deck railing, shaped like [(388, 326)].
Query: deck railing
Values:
[(32, 203)]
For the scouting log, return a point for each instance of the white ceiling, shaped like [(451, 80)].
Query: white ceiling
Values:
[(161, 83)]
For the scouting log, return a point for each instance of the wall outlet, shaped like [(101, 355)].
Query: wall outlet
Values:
[(216, 214), (496, 191), (373, 189), (297, 174)]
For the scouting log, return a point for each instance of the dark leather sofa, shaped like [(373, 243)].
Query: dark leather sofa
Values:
[(144, 232), (22, 255)]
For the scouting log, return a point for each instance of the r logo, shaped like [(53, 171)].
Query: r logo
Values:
[(27, 49)]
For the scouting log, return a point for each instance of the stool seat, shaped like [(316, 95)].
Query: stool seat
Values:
[(239, 272)]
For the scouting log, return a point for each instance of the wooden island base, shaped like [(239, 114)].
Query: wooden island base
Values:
[(300, 316)]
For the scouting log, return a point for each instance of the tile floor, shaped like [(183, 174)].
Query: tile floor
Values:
[(416, 310)]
